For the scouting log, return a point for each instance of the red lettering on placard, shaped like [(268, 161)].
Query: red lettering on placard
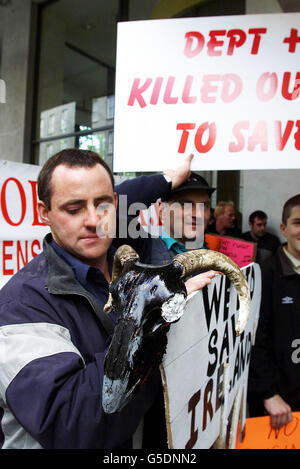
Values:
[(257, 38), (185, 127), (156, 90), (6, 256), (280, 139), (213, 43), (4, 205), (20, 253), (228, 95), (237, 39), (168, 99), (195, 41), (297, 136), (272, 82), (212, 133), (286, 85), (186, 97), (259, 137), (199, 145), (35, 243), (191, 38), (237, 132), (172, 90), (207, 88), (136, 92), (292, 40)]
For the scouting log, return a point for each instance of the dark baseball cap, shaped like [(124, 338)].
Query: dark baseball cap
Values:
[(194, 182)]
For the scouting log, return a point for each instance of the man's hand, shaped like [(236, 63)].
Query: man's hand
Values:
[(199, 281), (280, 412), (181, 174)]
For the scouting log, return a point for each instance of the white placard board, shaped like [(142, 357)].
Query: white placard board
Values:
[(205, 368), (21, 230), (223, 88)]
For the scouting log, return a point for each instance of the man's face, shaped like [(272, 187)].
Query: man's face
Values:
[(258, 227), (82, 204), (291, 231), (228, 216), (187, 216)]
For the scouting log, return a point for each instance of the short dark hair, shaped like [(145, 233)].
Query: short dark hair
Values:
[(257, 214), (288, 206), (71, 157)]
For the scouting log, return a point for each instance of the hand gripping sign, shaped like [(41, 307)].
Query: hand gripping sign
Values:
[(147, 300)]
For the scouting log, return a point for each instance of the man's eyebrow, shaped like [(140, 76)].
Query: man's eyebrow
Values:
[(101, 198), (72, 202)]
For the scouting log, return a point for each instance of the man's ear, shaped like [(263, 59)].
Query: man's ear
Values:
[(282, 229), (43, 212)]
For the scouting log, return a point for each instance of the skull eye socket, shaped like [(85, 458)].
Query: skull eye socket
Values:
[(153, 289), (152, 321)]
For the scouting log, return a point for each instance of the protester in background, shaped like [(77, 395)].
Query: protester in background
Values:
[(53, 332), (267, 243), (185, 213), (225, 218), (274, 376)]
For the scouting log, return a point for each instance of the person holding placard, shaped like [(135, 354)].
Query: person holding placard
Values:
[(274, 376), (185, 213), (225, 220), (54, 333)]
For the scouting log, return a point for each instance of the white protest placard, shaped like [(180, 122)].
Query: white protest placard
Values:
[(223, 88), (205, 368), (21, 231)]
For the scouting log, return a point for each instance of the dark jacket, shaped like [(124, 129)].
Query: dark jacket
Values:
[(275, 362), (53, 340), (266, 245)]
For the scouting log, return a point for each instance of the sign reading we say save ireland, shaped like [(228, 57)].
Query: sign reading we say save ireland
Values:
[(223, 88)]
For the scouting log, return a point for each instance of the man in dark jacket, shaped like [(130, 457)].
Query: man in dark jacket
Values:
[(274, 377), (267, 243), (53, 332)]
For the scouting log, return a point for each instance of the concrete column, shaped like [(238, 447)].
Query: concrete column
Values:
[(16, 26)]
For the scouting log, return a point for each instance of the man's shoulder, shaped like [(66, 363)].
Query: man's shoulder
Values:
[(247, 236), (32, 275)]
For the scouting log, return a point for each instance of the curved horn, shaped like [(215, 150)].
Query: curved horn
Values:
[(204, 259), (125, 254)]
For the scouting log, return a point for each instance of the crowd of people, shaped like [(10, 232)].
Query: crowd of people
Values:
[(54, 333)]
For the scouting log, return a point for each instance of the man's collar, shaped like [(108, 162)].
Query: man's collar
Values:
[(294, 261), (81, 269), (171, 243)]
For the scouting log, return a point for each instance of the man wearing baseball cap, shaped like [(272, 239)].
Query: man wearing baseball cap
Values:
[(185, 215)]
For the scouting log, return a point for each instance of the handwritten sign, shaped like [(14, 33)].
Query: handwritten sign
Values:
[(260, 435), (205, 368), (224, 88), (240, 251)]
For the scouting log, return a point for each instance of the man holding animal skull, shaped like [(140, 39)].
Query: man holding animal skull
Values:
[(54, 334)]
